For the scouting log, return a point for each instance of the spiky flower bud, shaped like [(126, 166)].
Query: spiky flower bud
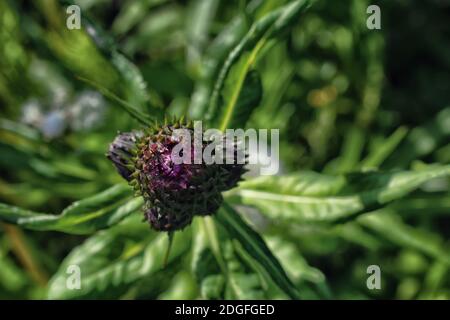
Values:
[(121, 152), (174, 191)]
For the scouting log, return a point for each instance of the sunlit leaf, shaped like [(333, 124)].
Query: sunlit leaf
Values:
[(256, 247), (390, 226), (82, 217), (311, 197), (253, 42), (113, 260)]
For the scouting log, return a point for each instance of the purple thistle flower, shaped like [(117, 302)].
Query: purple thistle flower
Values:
[(174, 193)]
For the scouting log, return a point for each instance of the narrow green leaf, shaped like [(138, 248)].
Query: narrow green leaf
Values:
[(390, 226), (242, 282), (421, 141), (239, 281), (182, 287), (133, 13), (214, 57), (213, 286), (133, 80), (82, 217), (293, 262), (266, 282), (20, 129), (255, 246), (131, 110), (253, 42), (220, 278), (200, 17), (133, 84), (310, 197), (435, 282), (351, 150), (113, 260), (428, 204), (376, 158), (249, 98)]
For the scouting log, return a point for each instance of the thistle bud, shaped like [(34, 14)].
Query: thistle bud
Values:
[(121, 152), (174, 191)]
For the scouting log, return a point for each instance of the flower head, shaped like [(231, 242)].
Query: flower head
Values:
[(174, 192)]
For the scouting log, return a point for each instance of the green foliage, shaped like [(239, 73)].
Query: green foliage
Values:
[(114, 259), (81, 217), (255, 246), (311, 197), (259, 34)]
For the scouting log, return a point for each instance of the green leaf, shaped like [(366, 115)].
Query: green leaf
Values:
[(312, 197), (220, 280), (213, 286), (214, 57), (114, 260), (388, 225), (133, 13), (252, 242), (143, 118), (351, 150), (244, 286), (248, 99), (239, 281), (293, 262), (203, 261), (435, 282), (13, 278), (182, 287), (136, 88), (354, 233), (421, 141), (20, 129), (385, 149), (239, 276), (82, 217), (253, 42), (133, 80), (429, 204), (266, 283), (132, 83), (200, 16), (304, 275)]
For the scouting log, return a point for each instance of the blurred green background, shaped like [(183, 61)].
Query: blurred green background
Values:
[(336, 90)]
